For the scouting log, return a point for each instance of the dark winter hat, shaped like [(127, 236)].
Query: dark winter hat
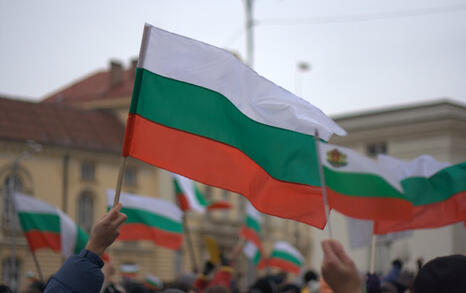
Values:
[(443, 274)]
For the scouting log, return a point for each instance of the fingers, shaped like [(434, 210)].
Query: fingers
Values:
[(120, 220), (115, 211), (340, 252), (329, 254)]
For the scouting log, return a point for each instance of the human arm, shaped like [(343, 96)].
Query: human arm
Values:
[(82, 273)]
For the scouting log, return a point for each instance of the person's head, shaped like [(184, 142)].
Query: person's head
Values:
[(5, 289), (397, 263), (264, 285), (372, 283), (442, 274), (310, 276)]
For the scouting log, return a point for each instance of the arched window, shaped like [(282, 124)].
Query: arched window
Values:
[(11, 273), (86, 210), (10, 185)]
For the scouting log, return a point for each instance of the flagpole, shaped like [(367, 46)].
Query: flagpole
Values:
[(13, 220), (121, 172), (237, 250), (323, 186), (36, 262), (371, 270), (190, 244)]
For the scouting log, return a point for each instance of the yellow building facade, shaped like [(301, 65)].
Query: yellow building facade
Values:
[(80, 130)]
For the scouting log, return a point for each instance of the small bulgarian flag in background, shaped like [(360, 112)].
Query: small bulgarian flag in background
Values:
[(198, 111), (129, 271), (149, 218), (153, 283), (190, 198), (251, 229), (437, 191), (284, 256), (254, 253), (45, 226)]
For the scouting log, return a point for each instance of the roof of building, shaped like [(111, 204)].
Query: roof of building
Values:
[(433, 103), (58, 125), (97, 86)]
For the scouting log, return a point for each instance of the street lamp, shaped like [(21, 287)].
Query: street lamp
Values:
[(301, 68)]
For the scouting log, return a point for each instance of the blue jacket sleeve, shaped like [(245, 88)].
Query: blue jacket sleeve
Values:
[(80, 273)]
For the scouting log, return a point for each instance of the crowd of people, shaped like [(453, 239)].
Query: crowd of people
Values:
[(83, 273)]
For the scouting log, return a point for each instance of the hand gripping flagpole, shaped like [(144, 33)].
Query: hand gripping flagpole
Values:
[(121, 172), (323, 186)]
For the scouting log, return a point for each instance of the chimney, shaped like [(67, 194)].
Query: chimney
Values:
[(116, 73), (134, 64)]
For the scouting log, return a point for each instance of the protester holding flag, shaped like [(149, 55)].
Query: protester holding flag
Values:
[(82, 273)]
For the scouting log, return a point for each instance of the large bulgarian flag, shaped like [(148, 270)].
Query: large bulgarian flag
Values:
[(437, 191), (285, 257), (360, 187), (149, 218), (198, 111), (45, 226), (190, 198)]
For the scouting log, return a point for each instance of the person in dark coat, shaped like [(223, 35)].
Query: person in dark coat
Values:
[(82, 273)]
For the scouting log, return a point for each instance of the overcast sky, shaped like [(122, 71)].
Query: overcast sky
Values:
[(364, 54)]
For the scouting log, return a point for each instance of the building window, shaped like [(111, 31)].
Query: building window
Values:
[(87, 171), (10, 274), (86, 210), (11, 184), (130, 176), (374, 149)]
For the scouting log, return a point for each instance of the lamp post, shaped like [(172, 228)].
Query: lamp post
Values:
[(249, 33), (32, 147), (301, 68)]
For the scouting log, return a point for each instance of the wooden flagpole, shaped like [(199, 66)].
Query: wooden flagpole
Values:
[(323, 186), (121, 172), (190, 244), (372, 265), (237, 250), (36, 262)]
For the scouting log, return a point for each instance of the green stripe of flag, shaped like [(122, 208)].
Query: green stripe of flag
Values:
[(38, 221), (199, 196), (289, 156), (257, 257), (359, 184), (152, 220), (253, 224), (178, 189), (286, 256), (81, 240), (439, 187)]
